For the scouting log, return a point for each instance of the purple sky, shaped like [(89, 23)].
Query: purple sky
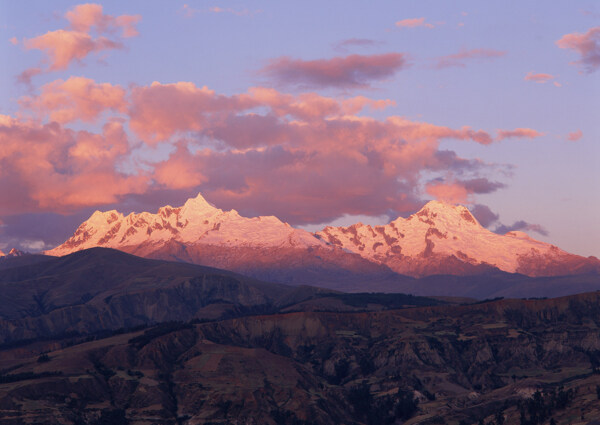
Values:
[(314, 112)]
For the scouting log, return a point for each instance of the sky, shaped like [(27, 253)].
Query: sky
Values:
[(317, 113)]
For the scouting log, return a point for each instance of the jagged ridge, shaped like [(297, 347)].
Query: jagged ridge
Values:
[(439, 239)]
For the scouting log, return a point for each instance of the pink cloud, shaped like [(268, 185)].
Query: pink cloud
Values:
[(14, 41), (51, 168), (64, 46), (575, 136), (461, 191), (188, 11), (461, 58), (413, 23), (517, 133), (538, 78), (340, 72), (160, 110), (179, 171), (237, 12), (587, 45), (305, 157), (290, 155), (26, 76), (84, 17), (76, 98), (448, 192)]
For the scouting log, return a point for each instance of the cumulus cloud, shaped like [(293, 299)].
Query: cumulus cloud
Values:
[(306, 158), (76, 98), (587, 45), (189, 108), (575, 135), (517, 133), (461, 58), (448, 192), (339, 72), (413, 23), (84, 17), (538, 77), (63, 46), (51, 168)]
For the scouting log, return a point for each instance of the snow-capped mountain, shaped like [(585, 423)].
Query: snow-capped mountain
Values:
[(12, 253), (196, 222), (447, 239), (439, 239)]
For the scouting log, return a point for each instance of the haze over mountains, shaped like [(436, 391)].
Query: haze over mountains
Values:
[(439, 239)]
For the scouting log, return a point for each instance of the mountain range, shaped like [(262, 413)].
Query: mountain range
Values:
[(440, 239)]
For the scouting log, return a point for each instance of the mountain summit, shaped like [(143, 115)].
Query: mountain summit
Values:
[(439, 239), (446, 239), (196, 222)]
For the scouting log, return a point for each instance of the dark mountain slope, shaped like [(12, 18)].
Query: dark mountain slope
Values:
[(102, 289)]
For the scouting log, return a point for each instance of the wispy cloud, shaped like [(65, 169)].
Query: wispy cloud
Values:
[(345, 45), (339, 72), (464, 56), (414, 23), (587, 45), (518, 133), (575, 135), (538, 77), (188, 11), (521, 225)]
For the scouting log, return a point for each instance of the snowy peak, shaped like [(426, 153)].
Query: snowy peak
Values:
[(14, 252), (442, 233), (440, 214), (196, 222), (194, 207)]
